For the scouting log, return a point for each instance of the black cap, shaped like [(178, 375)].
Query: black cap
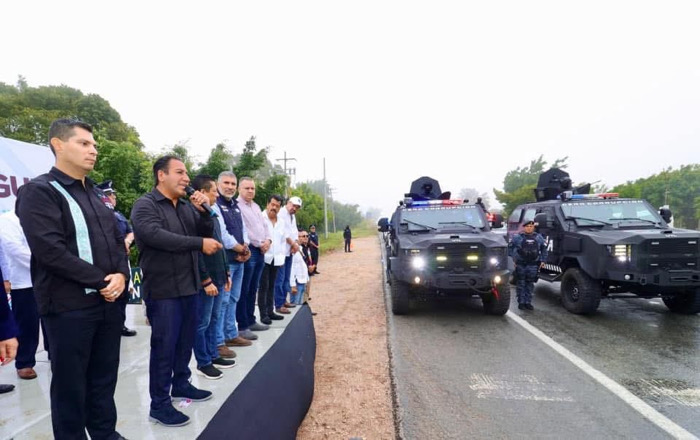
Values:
[(530, 222), (106, 187)]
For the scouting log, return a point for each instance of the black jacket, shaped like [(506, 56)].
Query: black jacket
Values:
[(169, 239), (59, 275)]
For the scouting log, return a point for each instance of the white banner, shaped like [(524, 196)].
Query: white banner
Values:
[(19, 163)]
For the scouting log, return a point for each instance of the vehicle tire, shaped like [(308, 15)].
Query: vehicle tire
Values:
[(400, 303), (497, 305), (685, 303), (580, 293)]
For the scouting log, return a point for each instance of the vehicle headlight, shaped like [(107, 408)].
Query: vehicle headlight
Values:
[(418, 262), (493, 261), (621, 252)]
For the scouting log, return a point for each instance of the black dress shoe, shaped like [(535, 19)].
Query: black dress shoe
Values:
[(529, 307), (276, 317), (521, 306), (4, 388), (266, 320), (128, 332)]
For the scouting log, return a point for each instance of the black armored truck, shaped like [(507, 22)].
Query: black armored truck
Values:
[(604, 246), (436, 246)]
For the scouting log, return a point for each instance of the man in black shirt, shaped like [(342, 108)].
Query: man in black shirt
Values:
[(170, 232), (78, 270)]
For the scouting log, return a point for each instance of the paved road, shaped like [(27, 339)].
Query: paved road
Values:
[(461, 374)]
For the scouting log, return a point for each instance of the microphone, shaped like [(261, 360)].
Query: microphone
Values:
[(189, 190)]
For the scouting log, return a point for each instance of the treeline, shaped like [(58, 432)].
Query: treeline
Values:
[(27, 112), (678, 188)]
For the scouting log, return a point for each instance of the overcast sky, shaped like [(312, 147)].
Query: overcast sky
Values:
[(385, 91)]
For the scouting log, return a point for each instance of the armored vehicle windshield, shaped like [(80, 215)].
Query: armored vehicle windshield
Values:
[(421, 218), (611, 212)]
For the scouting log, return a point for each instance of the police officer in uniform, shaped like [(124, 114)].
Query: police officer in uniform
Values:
[(110, 200), (529, 252)]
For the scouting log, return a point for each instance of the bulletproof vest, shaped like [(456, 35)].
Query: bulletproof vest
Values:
[(529, 249)]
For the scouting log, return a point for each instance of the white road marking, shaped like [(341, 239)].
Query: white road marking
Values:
[(635, 402)]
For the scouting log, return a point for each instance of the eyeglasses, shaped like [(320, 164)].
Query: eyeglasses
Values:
[(303, 235)]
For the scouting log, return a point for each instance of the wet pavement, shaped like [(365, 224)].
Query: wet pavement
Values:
[(462, 374)]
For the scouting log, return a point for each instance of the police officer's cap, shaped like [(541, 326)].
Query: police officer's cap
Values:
[(106, 187), (530, 222)]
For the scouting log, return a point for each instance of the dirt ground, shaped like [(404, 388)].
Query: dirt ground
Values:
[(352, 396)]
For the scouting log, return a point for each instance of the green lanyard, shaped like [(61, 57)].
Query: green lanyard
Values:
[(82, 235)]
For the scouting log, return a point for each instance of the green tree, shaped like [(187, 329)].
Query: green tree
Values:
[(251, 160), (129, 168), (312, 209), (220, 159), (27, 112), (472, 195), (519, 184), (183, 153)]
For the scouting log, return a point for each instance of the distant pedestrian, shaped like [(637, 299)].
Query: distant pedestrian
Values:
[(529, 252), (347, 235)]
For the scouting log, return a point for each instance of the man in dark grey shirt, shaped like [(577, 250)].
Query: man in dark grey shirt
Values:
[(170, 232)]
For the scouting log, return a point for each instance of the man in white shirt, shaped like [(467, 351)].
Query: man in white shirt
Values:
[(274, 259), (17, 258), (282, 286)]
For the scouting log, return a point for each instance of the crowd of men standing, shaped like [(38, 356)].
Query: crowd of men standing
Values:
[(205, 261)]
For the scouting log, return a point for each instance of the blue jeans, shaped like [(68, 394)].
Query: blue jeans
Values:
[(282, 282), (299, 296), (208, 315), (226, 325), (173, 327), (245, 311)]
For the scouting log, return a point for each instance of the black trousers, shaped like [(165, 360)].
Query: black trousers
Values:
[(266, 293), (24, 309), (173, 329), (347, 245), (84, 349)]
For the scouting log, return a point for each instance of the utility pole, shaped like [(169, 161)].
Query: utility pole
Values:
[(286, 159), (330, 190), (325, 201)]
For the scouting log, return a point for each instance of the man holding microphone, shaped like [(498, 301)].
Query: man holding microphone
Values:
[(170, 232)]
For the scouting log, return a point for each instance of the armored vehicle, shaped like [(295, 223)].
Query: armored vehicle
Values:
[(604, 246), (436, 246)]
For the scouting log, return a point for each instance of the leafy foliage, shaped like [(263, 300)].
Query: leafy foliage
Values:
[(519, 184)]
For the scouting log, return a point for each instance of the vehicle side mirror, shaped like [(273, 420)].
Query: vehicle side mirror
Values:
[(383, 225), (666, 214), (497, 221), (541, 220)]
